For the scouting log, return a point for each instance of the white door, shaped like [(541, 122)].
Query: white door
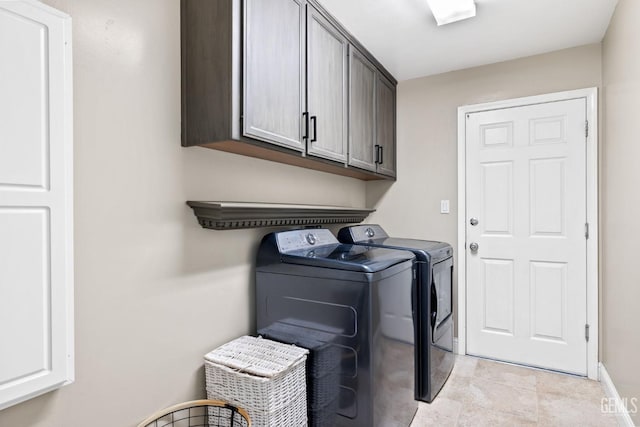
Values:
[(526, 281), (36, 201)]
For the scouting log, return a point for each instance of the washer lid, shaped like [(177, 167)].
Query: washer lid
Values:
[(348, 257)]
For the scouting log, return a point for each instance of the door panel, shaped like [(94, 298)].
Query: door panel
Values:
[(386, 125), (548, 300), (548, 130), (497, 296), (23, 151), (526, 284), (327, 90), (362, 81), (25, 253), (274, 83), (496, 135), (497, 193), (547, 204)]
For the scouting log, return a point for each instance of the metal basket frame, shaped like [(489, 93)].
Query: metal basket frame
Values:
[(152, 420)]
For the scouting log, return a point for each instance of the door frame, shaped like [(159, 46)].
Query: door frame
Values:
[(591, 97)]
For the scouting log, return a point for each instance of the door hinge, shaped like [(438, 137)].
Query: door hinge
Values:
[(586, 230), (586, 128), (586, 332)]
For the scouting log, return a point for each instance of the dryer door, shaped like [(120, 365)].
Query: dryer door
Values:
[(441, 295)]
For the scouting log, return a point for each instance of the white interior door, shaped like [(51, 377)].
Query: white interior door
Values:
[(526, 281), (36, 201)]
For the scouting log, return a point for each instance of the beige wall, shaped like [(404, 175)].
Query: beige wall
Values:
[(154, 291), (427, 133), (620, 200)]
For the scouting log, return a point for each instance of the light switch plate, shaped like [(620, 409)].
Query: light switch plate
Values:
[(444, 206)]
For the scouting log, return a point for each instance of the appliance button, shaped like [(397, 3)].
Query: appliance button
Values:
[(311, 239), (370, 233)]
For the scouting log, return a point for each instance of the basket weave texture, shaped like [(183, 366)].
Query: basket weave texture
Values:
[(265, 377)]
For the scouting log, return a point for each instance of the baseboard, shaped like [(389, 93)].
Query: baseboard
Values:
[(622, 415)]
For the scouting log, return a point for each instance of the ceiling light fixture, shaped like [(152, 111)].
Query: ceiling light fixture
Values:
[(448, 11)]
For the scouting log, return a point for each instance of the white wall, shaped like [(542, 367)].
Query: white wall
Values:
[(154, 291), (620, 200), (427, 133)]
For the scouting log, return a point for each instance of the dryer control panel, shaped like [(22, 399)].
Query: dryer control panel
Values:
[(364, 233), (302, 239)]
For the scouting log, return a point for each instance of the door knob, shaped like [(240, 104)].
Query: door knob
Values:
[(474, 247), (473, 221)]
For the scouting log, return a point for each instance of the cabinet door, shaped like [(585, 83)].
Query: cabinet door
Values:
[(386, 126), (327, 88), (362, 82), (36, 210), (274, 84)]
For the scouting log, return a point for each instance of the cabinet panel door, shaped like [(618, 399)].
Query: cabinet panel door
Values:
[(362, 80), (274, 83), (327, 88), (386, 125), (36, 201)]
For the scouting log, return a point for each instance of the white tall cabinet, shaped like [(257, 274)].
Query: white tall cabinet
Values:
[(36, 201)]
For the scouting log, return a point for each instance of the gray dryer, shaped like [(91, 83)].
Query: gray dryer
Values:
[(434, 261)]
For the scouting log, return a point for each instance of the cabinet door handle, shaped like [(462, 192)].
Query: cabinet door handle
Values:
[(381, 153), (315, 129), (377, 160), (305, 118)]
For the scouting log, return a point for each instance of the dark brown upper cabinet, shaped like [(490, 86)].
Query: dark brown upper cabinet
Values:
[(372, 109), (385, 126), (327, 88), (362, 111), (272, 79), (274, 72)]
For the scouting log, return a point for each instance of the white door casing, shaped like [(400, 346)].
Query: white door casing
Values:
[(36, 201), (527, 293)]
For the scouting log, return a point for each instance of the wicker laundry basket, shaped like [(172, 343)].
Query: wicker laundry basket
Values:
[(265, 377)]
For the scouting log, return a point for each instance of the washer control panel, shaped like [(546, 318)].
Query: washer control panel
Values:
[(302, 239)]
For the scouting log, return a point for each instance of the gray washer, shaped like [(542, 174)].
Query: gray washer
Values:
[(352, 306)]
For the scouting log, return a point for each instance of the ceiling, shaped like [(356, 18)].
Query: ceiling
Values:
[(404, 37)]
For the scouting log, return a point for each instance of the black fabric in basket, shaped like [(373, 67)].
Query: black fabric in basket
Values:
[(323, 369)]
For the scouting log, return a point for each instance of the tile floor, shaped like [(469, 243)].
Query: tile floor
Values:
[(480, 393)]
